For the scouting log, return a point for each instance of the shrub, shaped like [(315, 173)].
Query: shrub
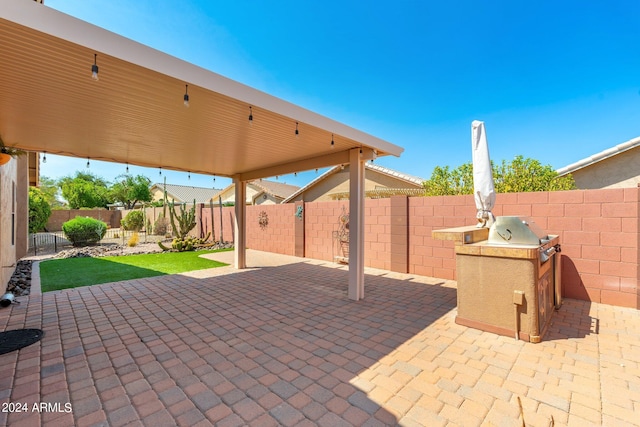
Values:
[(84, 230), (133, 221), (133, 240), (161, 226), (39, 210)]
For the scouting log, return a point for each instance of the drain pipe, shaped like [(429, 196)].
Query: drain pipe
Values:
[(518, 300)]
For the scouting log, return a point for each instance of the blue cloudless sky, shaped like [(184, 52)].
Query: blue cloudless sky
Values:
[(553, 80)]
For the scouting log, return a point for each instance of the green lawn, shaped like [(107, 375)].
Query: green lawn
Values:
[(75, 272)]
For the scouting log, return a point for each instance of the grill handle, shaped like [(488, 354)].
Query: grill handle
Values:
[(547, 253)]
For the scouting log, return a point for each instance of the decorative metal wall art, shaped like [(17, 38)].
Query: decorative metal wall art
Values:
[(263, 219)]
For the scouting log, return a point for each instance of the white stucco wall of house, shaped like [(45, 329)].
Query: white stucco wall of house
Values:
[(13, 216), (619, 171)]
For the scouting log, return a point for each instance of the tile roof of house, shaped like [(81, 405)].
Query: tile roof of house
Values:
[(605, 154), (277, 189), (409, 178), (185, 193)]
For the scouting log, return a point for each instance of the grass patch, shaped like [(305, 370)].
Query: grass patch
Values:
[(75, 272)]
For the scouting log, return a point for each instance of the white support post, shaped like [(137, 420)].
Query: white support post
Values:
[(239, 225), (356, 224)]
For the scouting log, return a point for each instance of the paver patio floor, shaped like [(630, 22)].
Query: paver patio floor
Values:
[(283, 345)]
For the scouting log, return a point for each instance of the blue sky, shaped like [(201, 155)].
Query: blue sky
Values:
[(555, 81)]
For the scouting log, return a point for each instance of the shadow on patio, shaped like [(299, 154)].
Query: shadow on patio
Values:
[(282, 345), (266, 346)]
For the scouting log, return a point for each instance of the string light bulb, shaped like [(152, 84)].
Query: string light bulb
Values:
[(94, 68), (160, 170), (186, 95), (88, 163), (297, 132), (332, 142), (44, 157), (127, 167), (189, 175), (250, 115)]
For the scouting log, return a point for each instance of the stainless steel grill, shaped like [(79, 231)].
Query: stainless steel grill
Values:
[(508, 280), (515, 230)]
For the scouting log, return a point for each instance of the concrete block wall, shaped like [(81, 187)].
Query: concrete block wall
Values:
[(428, 256), (278, 235), (321, 220), (223, 222), (378, 240), (60, 216), (386, 228), (599, 232), (600, 241)]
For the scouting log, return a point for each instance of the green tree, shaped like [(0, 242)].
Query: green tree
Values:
[(39, 210), (524, 175), (84, 190), (130, 190), (445, 181), (51, 191), (519, 175), (133, 221)]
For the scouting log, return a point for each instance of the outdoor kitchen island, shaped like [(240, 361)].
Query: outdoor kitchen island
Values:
[(508, 277)]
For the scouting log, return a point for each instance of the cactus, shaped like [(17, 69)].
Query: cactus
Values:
[(164, 200), (186, 244), (186, 219)]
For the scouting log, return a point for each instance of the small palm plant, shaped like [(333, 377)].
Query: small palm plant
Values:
[(9, 151)]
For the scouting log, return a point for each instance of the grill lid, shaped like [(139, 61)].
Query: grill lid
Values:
[(514, 230)]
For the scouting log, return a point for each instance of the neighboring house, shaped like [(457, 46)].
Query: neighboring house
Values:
[(259, 192), (615, 167), (379, 182), (183, 193)]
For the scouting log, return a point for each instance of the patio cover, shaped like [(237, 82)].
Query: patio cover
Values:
[(135, 114)]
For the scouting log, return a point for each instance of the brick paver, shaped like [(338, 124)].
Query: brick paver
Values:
[(283, 345)]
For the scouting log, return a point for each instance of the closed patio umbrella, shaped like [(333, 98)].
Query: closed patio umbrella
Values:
[(483, 191)]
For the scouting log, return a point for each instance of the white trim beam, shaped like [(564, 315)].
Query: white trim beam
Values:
[(331, 159), (239, 225), (356, 224)]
